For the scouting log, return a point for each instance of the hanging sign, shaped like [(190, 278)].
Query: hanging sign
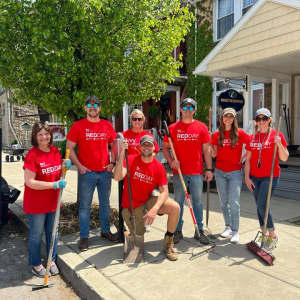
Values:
[(231, 98), (26, 126)]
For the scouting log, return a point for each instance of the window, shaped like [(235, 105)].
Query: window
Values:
[(227, 13), (225, 17), (246, 5)]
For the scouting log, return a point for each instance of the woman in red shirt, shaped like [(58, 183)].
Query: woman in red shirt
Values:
[(227, 146), (43, 167), (258, 167)]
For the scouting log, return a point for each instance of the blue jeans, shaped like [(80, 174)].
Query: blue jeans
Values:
[(87, 184), (37, 224), (229, 189), (261, 195), (195, 184)]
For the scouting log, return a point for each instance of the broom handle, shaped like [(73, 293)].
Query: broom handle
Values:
[(208, 182), (132, 218), (55, 224), (182, 181), (271, 182)]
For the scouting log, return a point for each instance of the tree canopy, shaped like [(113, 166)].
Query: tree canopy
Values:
[(55, 53)]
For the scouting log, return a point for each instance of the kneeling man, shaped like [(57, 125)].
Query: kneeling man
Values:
[(145, 174)]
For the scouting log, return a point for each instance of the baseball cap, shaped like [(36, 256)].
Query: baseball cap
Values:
[(229, 110), (94, 98), (147, 139), (263, 111), (190, 101)]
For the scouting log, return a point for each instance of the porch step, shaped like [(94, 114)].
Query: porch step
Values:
[(288, 186)]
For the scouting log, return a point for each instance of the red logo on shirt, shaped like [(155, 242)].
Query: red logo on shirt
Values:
[(143, 177), (51, 169)]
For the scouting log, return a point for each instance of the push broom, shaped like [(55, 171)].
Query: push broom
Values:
[(188, 201), (55, 224), (267, 256)]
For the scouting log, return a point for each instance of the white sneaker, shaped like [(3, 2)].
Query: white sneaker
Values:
[(147, 227), (235, 237), (227, 232)]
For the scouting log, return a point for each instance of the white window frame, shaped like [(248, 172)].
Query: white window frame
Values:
[(238, 13)]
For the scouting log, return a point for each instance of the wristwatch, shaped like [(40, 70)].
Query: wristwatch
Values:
[(113, 163), (209, 170)]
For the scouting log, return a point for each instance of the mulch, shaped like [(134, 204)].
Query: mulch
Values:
[(69, 218)]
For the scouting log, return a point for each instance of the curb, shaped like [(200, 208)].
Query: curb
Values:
[(86, 280)]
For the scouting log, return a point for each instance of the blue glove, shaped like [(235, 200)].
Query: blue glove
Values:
[(59, 184), (67, 163)]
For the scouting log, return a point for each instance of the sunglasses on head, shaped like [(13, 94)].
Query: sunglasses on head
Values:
[(89, 105), (264, 118), (136, 119), (191, 108)]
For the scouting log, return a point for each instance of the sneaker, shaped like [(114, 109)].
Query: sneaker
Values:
[(83, 244), (177, 236), (227, 232), (168, 248), (110, 237), (41, 273), (54, 270), (271, 243), (147, 228), (260, 239), (235, 237), (203, 238)]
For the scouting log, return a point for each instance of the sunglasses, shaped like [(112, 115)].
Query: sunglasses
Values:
[(185, 108), (136, 119), (89, 105), (265, 118)]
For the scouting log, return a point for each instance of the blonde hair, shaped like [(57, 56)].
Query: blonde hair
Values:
[(234, 136), (137, 111)]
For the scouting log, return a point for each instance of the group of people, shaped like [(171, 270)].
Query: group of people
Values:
[(192, 142)]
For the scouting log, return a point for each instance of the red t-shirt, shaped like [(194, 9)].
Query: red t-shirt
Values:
[(133, 140), (92, 140), (266, 155), (48, 167), (144, 177), (188, 140), (228, 159)]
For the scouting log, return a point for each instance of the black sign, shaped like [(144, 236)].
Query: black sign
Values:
[(231, 98)]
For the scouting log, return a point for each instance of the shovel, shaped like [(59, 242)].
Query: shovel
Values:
[(55, 224), (134, 244)]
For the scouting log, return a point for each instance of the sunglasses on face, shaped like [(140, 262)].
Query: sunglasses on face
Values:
[(264, 118), (136, 119), (89, 105), (191, 108)]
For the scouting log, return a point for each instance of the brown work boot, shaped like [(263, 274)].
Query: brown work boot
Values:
[(177, 237), (168, 248), (83, 244), (110, 237)]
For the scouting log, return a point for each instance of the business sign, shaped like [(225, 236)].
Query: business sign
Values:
[(231, 98), (26, 126), (58, 131)]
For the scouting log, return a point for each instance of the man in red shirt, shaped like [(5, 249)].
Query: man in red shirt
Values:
[(189, 136), (92, 135), (145, 174)]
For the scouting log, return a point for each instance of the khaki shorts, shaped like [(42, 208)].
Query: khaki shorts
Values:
[(139, 213)]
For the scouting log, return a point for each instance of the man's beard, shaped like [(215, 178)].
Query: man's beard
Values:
[(147, 154)]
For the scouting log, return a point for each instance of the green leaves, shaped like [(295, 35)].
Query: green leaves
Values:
[(55, 52)]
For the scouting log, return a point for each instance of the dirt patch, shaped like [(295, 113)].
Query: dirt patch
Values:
[(69, 218)]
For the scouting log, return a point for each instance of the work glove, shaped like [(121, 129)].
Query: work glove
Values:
[(67, 163), (59, 184)]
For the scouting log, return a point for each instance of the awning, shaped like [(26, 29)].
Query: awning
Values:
[(264, 43)]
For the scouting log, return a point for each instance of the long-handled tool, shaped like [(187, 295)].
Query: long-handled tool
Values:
[(134, 244), (55, 224), (207, 230), (187, 197), (253, 245)]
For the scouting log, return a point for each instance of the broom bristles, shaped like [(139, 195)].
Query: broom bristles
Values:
[(267, 257)]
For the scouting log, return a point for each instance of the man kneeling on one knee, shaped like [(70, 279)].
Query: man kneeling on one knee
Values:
[(145, 174)]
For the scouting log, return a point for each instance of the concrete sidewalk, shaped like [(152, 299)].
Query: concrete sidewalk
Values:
[(229, 271)]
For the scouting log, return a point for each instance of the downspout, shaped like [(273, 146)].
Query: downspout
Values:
[(9, 119)]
